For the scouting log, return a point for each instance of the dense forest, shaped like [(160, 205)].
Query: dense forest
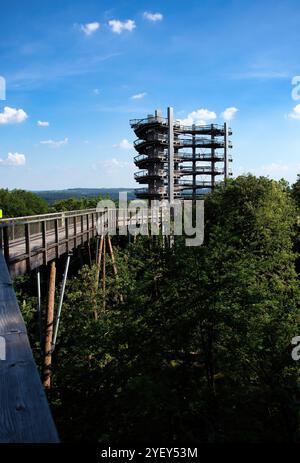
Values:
[(53, 196), (20, 203), (194, 344)]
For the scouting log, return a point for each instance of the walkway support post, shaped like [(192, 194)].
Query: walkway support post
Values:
[(39, 305), (61, 300), (104, 273), (49, 328), (113, 260), (98, 261)]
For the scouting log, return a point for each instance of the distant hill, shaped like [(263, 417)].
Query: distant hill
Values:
[(56, 195)]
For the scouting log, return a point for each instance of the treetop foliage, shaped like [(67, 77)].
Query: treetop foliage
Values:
[(199, 347)]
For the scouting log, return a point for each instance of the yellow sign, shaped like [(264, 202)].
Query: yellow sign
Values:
[(1, 214)]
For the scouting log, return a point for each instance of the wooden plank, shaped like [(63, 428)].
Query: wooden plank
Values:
[(25, 415)]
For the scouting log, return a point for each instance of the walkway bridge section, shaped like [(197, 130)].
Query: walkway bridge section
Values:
[(33, 241), (26, 244)]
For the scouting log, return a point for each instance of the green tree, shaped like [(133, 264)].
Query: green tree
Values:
[(296, 190), (74, 204), (199, 348), (18, 203)]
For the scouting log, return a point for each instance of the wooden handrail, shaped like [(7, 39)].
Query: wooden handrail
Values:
[(25, 414)]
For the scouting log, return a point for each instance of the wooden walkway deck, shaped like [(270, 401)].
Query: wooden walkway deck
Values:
[(24, 412)]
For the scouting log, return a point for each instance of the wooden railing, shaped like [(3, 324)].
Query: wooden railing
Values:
[(29, 242)]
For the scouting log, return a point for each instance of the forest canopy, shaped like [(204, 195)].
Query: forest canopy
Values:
[(198, 348)]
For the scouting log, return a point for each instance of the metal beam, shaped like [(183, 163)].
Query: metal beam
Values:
[(61, 300), (171, 154), (225, 151), (39, 305)]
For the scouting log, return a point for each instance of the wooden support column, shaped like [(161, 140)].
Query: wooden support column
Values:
[(98, 260), (49, 328), (113, 260), (104, 273), (89, 252)]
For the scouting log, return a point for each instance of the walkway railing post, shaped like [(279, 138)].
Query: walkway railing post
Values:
[(82, 228), (75, 230), (93, 225), (67, 233), (44, 241), (6, 244), (88, 226), (28, 246), (57, 238)]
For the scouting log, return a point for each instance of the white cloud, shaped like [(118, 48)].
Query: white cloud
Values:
[(113, 166), (295, 114), (43, 124), (261, 74), (199, 117), (115, 163), (229, 113), (138, 96), (13, 159), (90, 28), (124, 144), (275, 168), (119, 26), (96, 91), (12, 116), (153, 16), (55, 144)]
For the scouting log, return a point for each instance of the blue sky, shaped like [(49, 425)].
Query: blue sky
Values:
[(86, 67)]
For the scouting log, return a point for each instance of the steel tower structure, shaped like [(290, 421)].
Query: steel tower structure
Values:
[(179, 161)]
